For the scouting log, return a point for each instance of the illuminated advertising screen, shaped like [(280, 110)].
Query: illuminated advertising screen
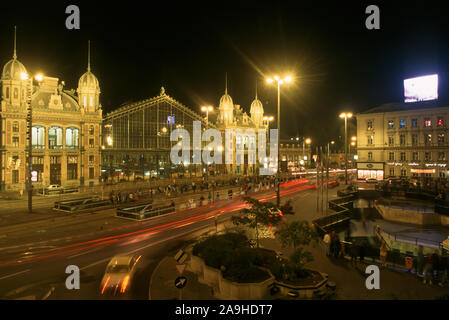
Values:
[(421, 88)]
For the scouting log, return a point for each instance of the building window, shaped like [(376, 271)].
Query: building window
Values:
[(440, 122), (84, 101), (391, 172), (402, 139), (72, 167), (441, 155), (7, 92), (427, 139), (403, 158), (16, 93), (370, 156), (15, 176), (414, 123), (403, 172), (390, 124), (427, 123), (390, 140), (414, 139), (72, 138), (391, 156), (91, 101), (15, 142), (415, 156), (91, 130), (369, 125), (91, 173), (55, 138), (441, 138), (402, 123), (91, 160), (91, 143), (38, 137), (15, 126), (370, 140), (427, 156)]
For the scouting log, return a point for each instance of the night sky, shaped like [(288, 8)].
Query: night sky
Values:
[(188, 46)]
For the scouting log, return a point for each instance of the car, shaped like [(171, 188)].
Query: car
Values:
[(371, 180), (54, 188), (119, 274)]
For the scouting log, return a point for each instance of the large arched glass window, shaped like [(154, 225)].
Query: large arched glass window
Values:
[(55, 138), (72, 137), (38, 137)]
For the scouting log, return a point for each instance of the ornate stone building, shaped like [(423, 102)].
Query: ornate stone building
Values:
[(66, 129)]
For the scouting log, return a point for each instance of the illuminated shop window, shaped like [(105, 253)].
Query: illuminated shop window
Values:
[(427, 123)]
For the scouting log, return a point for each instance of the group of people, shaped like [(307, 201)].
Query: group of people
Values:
[(432, 267)]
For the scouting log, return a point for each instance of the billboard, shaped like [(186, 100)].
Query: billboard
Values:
[(421, 88)]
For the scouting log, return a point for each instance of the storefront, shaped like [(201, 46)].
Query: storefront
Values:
[(370, 170)]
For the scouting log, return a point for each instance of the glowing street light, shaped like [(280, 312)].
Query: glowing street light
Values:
[(279, 81), (304, 142), (207, 109)]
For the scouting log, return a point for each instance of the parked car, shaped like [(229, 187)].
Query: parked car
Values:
[(54, 188), (119, 274)]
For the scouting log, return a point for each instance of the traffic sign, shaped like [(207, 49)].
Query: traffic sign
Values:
[(181, 268), (180, 282), (180, 256)]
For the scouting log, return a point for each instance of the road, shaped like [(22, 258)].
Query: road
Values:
[(34, 271)]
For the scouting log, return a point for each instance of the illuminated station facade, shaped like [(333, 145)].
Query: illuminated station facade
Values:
[(136, 138), (66, 129), (404, 140)]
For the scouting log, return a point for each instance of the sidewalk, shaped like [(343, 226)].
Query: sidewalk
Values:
[(350, 280)]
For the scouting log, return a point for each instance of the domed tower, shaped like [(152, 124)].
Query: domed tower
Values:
[(89, 89), (13, 80), (257, 111), (226, 107)]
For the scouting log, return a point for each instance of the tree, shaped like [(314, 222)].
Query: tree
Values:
[(297, 234), (258, 213)]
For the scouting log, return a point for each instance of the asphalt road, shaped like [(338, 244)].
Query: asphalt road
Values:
[(36, 271)]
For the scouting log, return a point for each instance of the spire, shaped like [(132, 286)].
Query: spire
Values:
[(226, 83), (256, 89), (88, 55), (15, 53)]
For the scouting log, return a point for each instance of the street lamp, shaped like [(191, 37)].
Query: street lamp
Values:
[(207, 109), (346, 115), (279, 82), (304, 142), (327, 176), (39, 78)]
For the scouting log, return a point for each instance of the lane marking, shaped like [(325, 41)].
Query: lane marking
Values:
[(14, 274)]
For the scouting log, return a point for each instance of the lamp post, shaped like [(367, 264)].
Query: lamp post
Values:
[(327, 176), (353, 145), (207, 109), (304, 142), (29, 133), (346, 115), (279, 82)]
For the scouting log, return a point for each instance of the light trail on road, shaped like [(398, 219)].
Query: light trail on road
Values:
[(76, 248)]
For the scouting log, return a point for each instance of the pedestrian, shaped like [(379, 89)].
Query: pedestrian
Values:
[(383, 254), (218, 196), (362, 252), (337, 246), (420, 262), (436, 267), (354, 252), (428, 269), (444, 264), (327, 243), (209, 197)]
